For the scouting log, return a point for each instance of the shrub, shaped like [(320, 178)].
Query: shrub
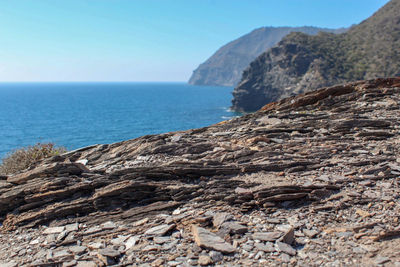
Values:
[(23, 158)]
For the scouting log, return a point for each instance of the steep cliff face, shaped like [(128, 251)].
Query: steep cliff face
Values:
[(300, 62), (225, 67)]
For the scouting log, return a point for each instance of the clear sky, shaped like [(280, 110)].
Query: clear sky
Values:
[(144, 40)]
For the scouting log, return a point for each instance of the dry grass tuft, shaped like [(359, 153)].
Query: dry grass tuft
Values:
[(23, 158)]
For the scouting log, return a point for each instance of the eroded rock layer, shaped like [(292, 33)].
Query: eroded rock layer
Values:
[(309, 180)]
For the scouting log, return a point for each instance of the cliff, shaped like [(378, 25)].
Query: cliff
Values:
[(300, 62), (225, 67), (310, 180)]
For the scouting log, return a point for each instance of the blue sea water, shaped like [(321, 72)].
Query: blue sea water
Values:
[(81, 114)]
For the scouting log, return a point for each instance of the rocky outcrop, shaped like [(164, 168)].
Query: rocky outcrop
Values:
[(301, 63), (225, 67), (309, 180)]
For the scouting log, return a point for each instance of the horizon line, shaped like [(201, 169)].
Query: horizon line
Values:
[(93, 82)]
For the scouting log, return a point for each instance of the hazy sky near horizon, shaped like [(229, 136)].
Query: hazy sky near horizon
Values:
[(144, 40)]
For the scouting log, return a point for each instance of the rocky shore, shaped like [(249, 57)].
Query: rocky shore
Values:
[(308, 181)]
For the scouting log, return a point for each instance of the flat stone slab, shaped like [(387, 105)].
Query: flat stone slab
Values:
[(160, 230), (9, 264), (267, 236), (78, 249), (268, 247), (73, 227), (109, 252), (234, 227), (54, 230), (86, 264), (310, 233), (94, 229), (61, 255), (108, 225), (131, 242), (283, 247), (288, 237), (208, 240), (220, 218)]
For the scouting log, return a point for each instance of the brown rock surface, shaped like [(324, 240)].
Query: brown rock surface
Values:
[(320, 171), (206, 239)]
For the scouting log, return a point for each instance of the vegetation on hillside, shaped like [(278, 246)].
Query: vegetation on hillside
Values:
[(23, 158), (301, 62), (225, 66), (368, 50)]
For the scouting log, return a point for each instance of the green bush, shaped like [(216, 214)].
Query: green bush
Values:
[(23, 158)]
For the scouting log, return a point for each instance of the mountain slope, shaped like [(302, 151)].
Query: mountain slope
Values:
[(300, 62), (225, 66)]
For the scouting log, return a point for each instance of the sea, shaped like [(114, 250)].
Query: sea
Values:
[(76, 115)]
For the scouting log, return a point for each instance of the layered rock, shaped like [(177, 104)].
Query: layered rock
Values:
[(301, 63), (225, 67), (309, 180)]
